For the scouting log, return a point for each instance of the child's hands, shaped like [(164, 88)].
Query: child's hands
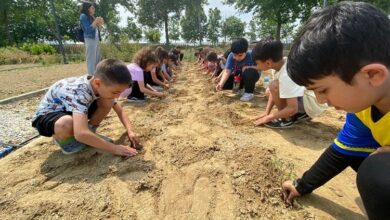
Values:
[(219, 87), (262, 120), (166, 86), (122, 150), (134, 138), (262, 115), (289, 192)]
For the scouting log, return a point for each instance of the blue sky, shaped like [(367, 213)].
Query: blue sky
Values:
[(226, 11)]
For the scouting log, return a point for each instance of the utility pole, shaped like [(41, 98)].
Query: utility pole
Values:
[(325, 3)]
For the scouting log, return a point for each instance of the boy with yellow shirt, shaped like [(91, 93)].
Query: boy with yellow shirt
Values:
[(343, 55)]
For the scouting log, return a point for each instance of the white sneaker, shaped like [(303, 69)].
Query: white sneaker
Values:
[(247, 97)]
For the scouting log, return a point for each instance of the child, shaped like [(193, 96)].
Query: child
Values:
[(163, 57), (343, 55), (143, 61), (170, 65), (155, 78), (240, 63), (177, 51), (73, 108), (284, 93), (218, 61)]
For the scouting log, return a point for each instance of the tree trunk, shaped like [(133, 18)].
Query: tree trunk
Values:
[(58, 34), (278, 27), (166, 29)]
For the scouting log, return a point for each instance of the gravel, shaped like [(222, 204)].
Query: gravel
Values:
[(15, 118)]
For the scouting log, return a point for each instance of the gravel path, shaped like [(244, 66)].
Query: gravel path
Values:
[(15, 118)]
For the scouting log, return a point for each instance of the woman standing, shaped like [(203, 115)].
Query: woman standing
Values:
[(90, 26)]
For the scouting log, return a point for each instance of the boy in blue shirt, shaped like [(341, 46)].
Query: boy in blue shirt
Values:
[(240, 63), (343, 55)]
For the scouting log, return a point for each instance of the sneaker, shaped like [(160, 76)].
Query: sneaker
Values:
[(70, 145), (158, 88), (247, 97), (279, 123), (135, 99), (300, 117)]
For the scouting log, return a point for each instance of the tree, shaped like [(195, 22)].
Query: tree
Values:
[(233, 27), (252, 35), (58, 32), (214, 25), (154, 13), (153, 35), (193, 24), (108, 10), (278, 11), (133, 31), (174, 25)]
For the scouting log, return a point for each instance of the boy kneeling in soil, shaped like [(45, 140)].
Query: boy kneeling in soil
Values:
[(343, 55), (73, 108)]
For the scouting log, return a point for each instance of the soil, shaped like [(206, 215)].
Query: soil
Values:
[(20, 79), (202, 159)]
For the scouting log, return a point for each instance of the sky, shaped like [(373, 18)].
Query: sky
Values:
[(226, 11)]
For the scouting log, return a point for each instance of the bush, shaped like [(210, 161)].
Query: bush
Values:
[(12, 55), (38, 49)]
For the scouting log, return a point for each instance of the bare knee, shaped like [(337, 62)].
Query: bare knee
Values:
[(64, 126)]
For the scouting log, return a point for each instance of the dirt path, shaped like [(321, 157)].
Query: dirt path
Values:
[(202, 159)]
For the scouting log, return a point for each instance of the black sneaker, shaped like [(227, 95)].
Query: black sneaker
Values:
[(279, 123), (300, 117)]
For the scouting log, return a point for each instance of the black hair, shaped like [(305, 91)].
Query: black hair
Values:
[(172, 56), (268, 48), (161, 54), (239, 45), (340, 40), (212, 57), (112, 72), (84, 9)]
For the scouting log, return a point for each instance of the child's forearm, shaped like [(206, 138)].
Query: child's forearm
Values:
[(123, 117), (89, 138)]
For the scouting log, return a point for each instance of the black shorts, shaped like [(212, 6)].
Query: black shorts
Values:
[(45, 123)]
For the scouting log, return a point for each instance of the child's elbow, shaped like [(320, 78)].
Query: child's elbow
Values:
[(81, 136)]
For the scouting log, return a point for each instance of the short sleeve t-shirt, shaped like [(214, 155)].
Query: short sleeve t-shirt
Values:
[(137, 74), (236, 67), (73, 94), (287, 87)]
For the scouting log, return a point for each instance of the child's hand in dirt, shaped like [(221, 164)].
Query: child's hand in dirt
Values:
[(122, 150), (219, 87), (161, 95), (262, 115), (166, 86), (289, 192), (262, 120), (134, 138)]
